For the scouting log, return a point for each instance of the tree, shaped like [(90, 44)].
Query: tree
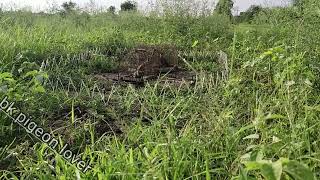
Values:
[(69, 6), (250, 13), (299, 4), (224, 7), (129, 6), (112, 10)]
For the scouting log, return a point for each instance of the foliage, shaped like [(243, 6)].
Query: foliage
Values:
[(112, 9), (277, 170), (253, 112), (250, 14), (298, 2), (129, 6), (68, 8), (224, 7)]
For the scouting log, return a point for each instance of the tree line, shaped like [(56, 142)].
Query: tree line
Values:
[(223, 7)]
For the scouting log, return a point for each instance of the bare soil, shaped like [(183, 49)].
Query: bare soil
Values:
[(149, 60), (146, 63)]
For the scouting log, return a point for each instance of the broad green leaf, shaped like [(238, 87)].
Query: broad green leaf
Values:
[(31, 74), (277, 169), (267, 53), (267, 171), (253, 165), (243, 174), (9, 79), (195, 43), (256, 155), (39, 89), (297, 170), (272, 171), (5, 75)]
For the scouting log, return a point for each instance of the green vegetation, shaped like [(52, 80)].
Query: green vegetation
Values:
[(112, 9), (129, 6), (251, 115), (224, 7), (250, 14)]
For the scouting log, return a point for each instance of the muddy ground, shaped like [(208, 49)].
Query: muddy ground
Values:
[(150, 63)]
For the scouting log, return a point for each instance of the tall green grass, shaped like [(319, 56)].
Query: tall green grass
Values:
[(258, 121)]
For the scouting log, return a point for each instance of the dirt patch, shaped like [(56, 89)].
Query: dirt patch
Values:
[(146, 63), (176, 77), (107, 128), (61, 123), (149, 60)]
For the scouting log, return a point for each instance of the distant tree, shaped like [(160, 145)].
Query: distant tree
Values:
[(250, 13), (299, 4), (224, 7), (112, 10), (254, 9), (129, 6), (41, 13), (69, 6)]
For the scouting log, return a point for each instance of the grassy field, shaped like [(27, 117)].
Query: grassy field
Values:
[(251, 115)]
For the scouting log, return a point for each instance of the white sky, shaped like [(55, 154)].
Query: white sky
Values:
[(39, 5)]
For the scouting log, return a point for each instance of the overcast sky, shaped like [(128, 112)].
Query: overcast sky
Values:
[(39, 5)]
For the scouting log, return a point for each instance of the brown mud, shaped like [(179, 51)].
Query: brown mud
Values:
[(147, 63)]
